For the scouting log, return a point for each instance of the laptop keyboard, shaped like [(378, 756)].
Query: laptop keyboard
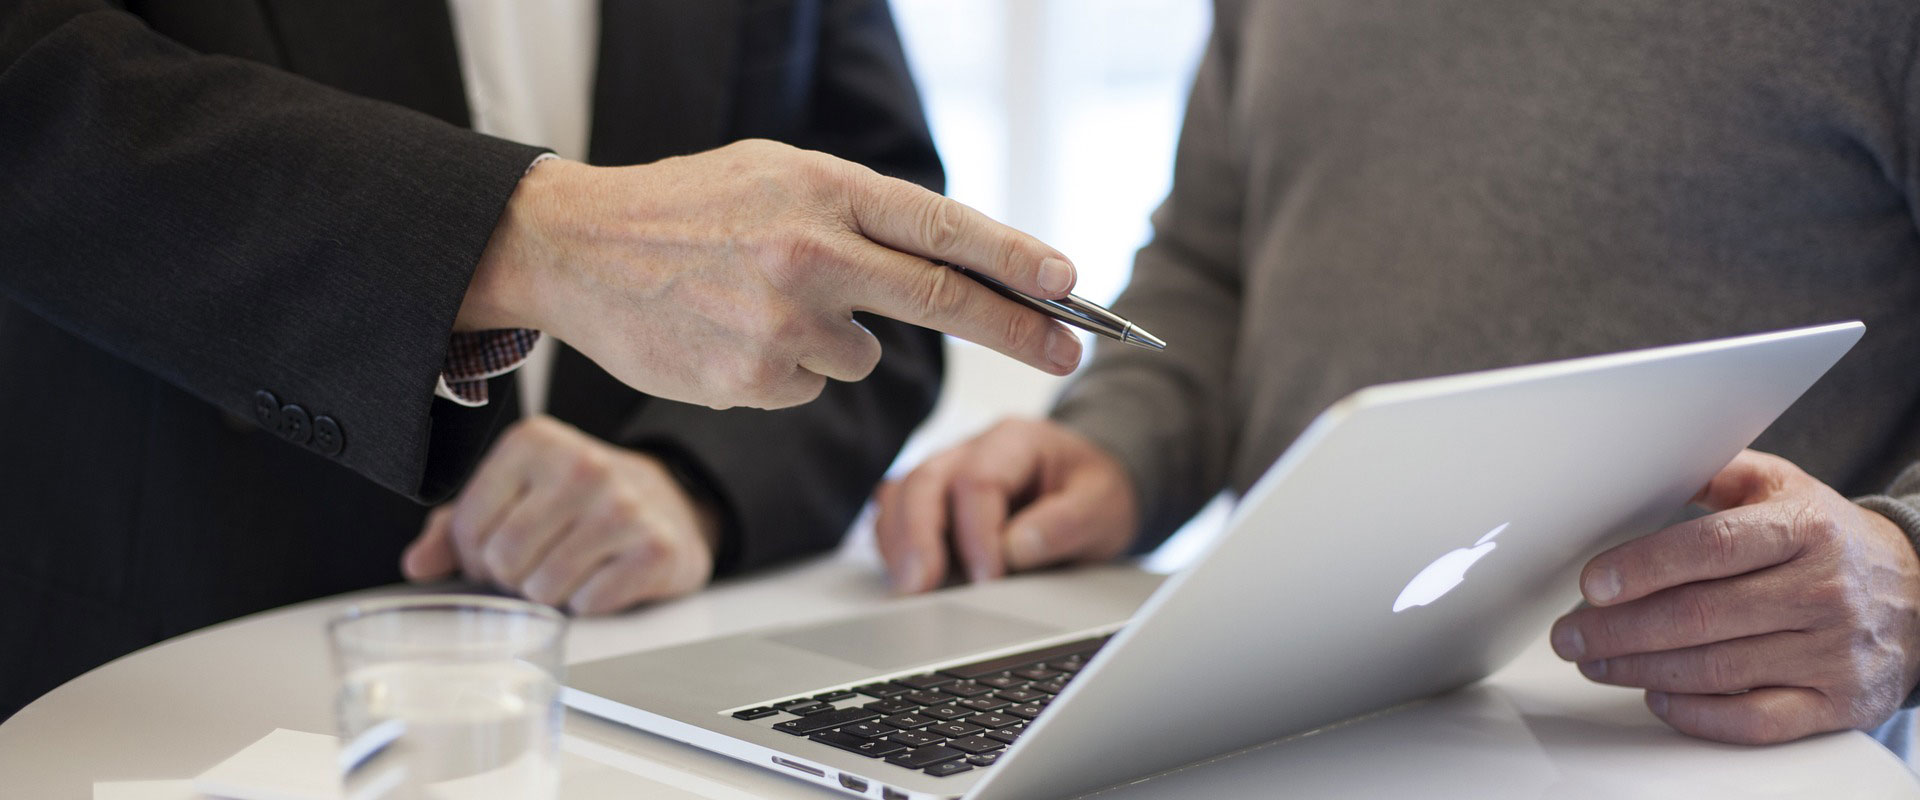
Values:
[(943, 722)]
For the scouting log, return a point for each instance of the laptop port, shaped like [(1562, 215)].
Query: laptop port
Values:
[(856, 784), (891, 793), (815, 771)]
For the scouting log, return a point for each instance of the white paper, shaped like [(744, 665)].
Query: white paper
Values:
[(283, 765), (146, 790)]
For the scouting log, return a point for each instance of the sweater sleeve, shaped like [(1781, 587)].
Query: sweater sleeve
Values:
[(1165, 415), (1901, 503), (285, 251)]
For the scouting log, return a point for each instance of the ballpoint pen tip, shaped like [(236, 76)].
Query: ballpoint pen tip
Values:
[(1139, 337)]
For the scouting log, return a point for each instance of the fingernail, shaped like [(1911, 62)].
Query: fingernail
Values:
[(1657, 701), (1596, 669), (1024, 546), (1063, 349), (1056, 276), (1603, 584), (1568, 642)]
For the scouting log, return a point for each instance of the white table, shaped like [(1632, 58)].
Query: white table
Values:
[(1535, 729)]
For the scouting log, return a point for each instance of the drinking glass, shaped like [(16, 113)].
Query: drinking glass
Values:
[(450, 697)]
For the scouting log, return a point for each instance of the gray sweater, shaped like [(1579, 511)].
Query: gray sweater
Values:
[(1376, 190)]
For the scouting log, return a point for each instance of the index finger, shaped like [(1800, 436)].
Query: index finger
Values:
[(1722, 545), (910, 219), (996, 467), (917, 291)]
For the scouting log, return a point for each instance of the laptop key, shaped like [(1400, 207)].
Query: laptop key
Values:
[(965, 689), (1008, 735), (1002, 681), (1020, 696), (871, 748), (986, 703), (1057, 652), (891, 706), (975, 745), (909, 721), (868, 730), (955, 730), (815, 723), (755, 713), (1055, 686), (788, 705), (812, 707), (1035, 673), (916, 738), (1027, 712), (921, 758), (945, 713), (945, 768), (993, 720), (882, 690), (926, 681), (833, 697), (925, 698), (983, 759)]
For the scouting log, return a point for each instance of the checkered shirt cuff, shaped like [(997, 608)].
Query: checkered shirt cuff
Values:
[(472, 358)]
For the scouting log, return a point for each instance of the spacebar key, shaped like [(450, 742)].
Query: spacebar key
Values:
[(980, 668), (826, 719)]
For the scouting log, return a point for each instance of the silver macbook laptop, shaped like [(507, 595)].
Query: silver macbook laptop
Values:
[(1412, 540)]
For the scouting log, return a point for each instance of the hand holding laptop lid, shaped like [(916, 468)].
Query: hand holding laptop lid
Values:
[(731, 277), (1789, 611)]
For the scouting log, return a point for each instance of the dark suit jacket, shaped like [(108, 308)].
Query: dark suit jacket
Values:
[(215, 211)]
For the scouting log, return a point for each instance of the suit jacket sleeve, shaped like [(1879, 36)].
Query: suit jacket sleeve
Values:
[(790, 482), (234, 228), (1165, 415)]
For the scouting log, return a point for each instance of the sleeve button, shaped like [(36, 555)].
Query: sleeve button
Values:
[(327, 437), (295, 426), (266, 410)]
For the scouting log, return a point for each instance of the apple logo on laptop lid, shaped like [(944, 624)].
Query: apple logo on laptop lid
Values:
[(1445, 572)]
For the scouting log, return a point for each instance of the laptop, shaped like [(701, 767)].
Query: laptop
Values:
[(1412, 540)]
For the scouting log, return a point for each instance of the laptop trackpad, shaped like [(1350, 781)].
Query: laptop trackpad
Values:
[(911, 637)]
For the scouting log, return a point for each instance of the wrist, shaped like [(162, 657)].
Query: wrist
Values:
[(506, 290)]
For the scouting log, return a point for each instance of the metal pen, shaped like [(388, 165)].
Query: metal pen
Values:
[(1075, 311)]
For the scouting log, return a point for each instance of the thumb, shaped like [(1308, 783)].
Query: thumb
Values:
[(432, 555), (1060, 526)]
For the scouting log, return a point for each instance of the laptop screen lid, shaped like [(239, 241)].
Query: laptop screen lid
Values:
[(1412, 540)]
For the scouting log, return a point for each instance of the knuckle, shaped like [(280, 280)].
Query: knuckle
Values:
[(1693, 613), (790, 256), (1720, 541), (1719, 671), (623, 510), (940, 295), (941, 224), (590, 466), (1025, 332), (1815, 527), (1830, 598)]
